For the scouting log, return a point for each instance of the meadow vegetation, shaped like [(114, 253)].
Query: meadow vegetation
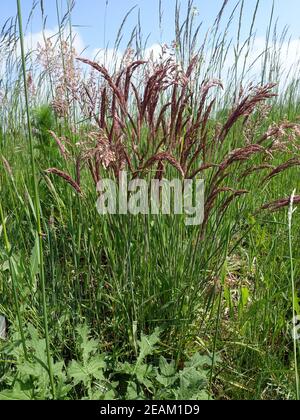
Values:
[(145, 307)]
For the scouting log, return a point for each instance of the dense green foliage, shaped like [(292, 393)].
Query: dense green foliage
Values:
[(124, 307)]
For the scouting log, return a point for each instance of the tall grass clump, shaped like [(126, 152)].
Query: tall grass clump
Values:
[(94, 300)]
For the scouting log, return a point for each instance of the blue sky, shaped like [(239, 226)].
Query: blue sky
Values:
[(90, 15)]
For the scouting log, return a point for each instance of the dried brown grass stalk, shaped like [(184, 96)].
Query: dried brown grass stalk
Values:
[(287, 165), (152, 115), (278, 132), (280, 204), (60, 145), (105, 74), (252, 170), (247, 105), (163, 157), (209, 204), (7, 167), (66, 177)]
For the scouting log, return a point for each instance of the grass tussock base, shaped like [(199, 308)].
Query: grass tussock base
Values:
[(136, 307)]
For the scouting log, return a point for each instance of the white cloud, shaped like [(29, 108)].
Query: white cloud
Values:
[(283, 58), (153, 52), (287, 54), (109, 58), (32, 40)]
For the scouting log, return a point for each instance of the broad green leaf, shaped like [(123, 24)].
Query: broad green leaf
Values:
[(143, 373), (245, 296), (20, 391), (88, 346), (147, 345), (132, 393), (166, 381), (15, 394), (167, 369), (93, 369), (198, 361)]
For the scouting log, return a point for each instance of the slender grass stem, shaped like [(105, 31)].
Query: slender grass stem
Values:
[(290, 218), (36, 203)]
